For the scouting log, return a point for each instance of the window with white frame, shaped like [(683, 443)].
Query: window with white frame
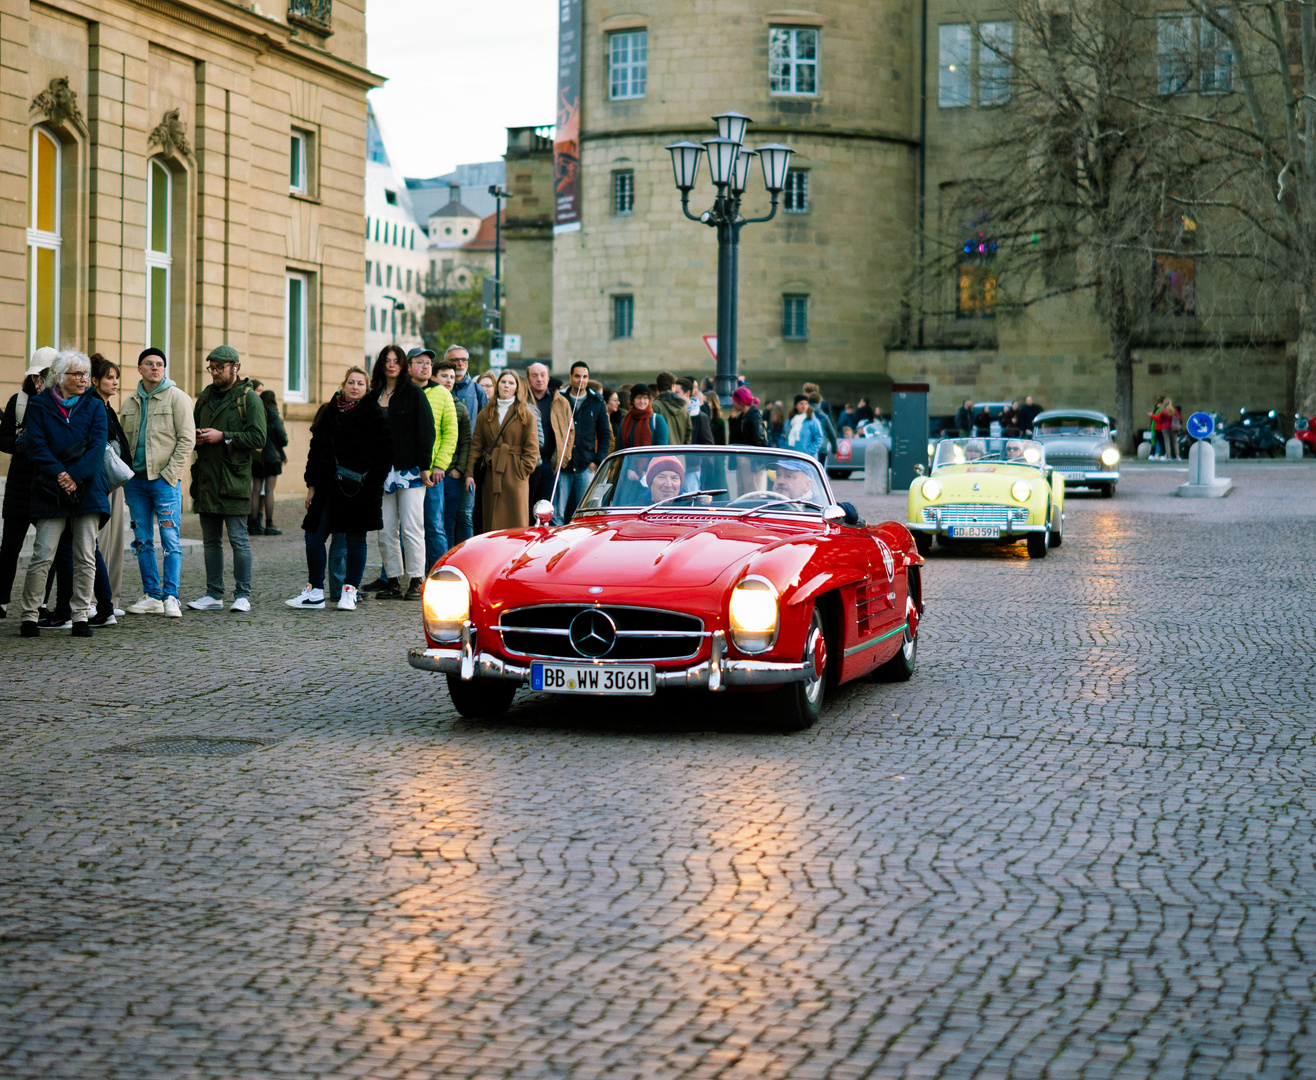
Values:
[(296, 344), (954, 57), (795, 195), (1217, 57), (628, 64), (297, 159), (623, 191), (623, 316), (43, 241), (792, 60), (159, 253), (1174, 53), (994, 50), (795, 316)]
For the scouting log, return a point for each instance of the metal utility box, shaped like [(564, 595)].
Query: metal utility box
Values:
[(909, 433)]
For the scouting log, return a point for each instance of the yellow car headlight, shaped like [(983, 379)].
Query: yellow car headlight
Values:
[(753, 614), (1110, 457), (931, 490), (1021, 490), (446, 600)]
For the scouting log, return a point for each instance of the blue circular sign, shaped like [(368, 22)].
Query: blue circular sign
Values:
[(1201, 425)]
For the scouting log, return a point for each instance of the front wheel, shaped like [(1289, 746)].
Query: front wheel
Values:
[(797, 706), (900, 668), (1107, 491), (481, 699), (1037, 545), (839, 474), (1057, 528)]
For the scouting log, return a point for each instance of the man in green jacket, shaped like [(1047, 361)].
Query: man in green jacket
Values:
[(420, 366), (230, 427)]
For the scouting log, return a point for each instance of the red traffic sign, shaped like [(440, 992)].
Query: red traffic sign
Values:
[(710, 341)]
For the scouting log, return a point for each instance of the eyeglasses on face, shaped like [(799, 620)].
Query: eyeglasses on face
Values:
[(219, 367), (423, 361), (77, 374)]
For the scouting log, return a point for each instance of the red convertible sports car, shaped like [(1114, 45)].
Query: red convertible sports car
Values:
[(700, 567)]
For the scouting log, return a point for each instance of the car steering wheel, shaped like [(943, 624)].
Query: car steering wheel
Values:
[(760, 496)]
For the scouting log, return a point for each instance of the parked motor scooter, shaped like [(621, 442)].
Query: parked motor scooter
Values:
[(1254, 433), (1304, 430)]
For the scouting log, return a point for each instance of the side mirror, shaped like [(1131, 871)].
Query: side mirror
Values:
[(1114, 433), (918, 470), (543, 512), (834, 514)]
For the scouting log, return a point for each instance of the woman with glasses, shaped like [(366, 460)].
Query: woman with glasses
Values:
[(411, 425), (65, 439)]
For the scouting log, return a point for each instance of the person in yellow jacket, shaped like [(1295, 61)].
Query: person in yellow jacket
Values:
[(420, 366)]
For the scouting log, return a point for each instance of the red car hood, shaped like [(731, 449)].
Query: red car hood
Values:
[(664, 550)]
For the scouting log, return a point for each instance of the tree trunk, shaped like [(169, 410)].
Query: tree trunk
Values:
[(1304, 393), (1121, 347)]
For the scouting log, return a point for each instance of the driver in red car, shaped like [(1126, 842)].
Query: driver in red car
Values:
[(794, 479), (664, 476)]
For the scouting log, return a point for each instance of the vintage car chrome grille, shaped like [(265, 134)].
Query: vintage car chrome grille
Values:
[(1075, 461), (977, 514), (640, 633)]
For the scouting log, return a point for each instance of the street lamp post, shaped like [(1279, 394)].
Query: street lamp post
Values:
[(499, 195), (729, 163)]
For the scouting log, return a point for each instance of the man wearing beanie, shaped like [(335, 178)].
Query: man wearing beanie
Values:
[(230, 427), (157, 422)]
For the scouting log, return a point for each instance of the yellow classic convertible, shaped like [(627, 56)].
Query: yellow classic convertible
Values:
[(998, 491)]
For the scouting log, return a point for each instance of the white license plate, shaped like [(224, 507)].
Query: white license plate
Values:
[(974, 532), (1074, 476), (592, 679)]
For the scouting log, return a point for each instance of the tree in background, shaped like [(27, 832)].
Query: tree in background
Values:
[(456, 315)]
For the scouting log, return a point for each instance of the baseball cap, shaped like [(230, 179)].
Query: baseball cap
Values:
[(420, 352)]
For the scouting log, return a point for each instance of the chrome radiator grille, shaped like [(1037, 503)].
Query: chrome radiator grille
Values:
[(640, 633), (1074, 462), (977, 514)]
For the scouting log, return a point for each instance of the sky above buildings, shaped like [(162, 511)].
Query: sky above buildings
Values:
[(459, 74)]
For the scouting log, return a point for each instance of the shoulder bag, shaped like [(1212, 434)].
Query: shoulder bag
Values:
[(117, 471)]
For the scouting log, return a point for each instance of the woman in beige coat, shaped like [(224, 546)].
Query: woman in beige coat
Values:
[(505, 432)]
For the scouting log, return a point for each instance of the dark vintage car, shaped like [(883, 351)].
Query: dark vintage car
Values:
[(684, 567), (1080, 448), (852, 450)]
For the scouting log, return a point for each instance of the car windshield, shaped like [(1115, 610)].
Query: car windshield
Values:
[(873, 429), (996, 451), (676, 480), (1071, 425)]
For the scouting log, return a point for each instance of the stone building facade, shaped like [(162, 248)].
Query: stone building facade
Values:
[(186, 174), (859, 89)]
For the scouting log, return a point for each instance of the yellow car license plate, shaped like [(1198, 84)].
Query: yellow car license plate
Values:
[(631, 679), (974, 532)]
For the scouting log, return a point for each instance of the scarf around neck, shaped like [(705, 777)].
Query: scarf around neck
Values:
[(636, 427)]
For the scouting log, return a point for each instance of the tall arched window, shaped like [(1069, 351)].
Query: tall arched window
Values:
[(43, 242), (159, 253)]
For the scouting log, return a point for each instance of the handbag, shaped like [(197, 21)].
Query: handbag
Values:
[(350, 482), (117, 471)]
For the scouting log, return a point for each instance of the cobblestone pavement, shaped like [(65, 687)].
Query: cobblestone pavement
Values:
[(1078, 844)]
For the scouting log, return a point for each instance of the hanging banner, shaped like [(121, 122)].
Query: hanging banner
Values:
[(566, 140)]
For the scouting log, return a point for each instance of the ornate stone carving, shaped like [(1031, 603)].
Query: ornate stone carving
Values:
[(170, 135), (315, 15), (59, 102)]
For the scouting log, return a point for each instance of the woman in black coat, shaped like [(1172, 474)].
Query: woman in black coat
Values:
[(18, 500), (351, 453)]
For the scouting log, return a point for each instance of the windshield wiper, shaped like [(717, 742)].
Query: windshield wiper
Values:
[(678, 498)]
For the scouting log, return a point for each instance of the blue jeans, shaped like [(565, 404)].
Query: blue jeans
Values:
[(466, 518), (212, 547), (570, 489), (149, 500), (354, 554), (436, 538), (453, 492), (338, 565)]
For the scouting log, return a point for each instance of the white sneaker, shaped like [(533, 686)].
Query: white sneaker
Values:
[(119, 611), (203, 603), (172, 609), (147, 605), (347, 602), (308, 599), (240, 604)]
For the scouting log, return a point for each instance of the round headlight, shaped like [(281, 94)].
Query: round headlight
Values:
[(1022, 490), (753, 614), (931, 490), (446, 603), (1109, 457)]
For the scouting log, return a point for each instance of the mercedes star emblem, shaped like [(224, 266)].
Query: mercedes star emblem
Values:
[(593, 633)]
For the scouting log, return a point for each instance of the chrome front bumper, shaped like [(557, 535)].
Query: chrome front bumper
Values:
[(1084, 477), (465, 660), (1007, 530)]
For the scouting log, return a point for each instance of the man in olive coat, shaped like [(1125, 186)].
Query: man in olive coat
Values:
[(230, 427)]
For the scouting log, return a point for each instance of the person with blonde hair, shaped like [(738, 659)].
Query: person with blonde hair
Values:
[(504, 452)]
